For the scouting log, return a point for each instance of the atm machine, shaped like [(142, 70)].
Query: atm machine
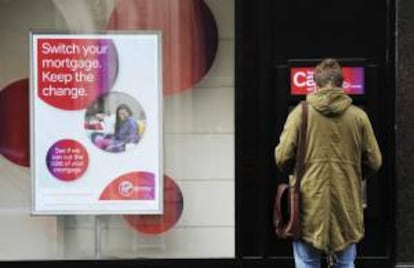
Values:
[(294, 81)]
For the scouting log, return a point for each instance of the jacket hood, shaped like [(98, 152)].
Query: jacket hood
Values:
[(330, 102)]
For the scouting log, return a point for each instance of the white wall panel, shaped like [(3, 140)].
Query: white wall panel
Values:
[(203, 110), (15, 186), (223, 11), (208, 203), (27, 237), (221, 73), (209, 156), (17, 19), (78, 243), (191, 242)]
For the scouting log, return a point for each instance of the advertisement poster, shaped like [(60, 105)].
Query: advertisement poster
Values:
[(96, 123), (301, 79)]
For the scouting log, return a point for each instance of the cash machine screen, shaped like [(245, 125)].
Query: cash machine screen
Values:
[(301, 80)]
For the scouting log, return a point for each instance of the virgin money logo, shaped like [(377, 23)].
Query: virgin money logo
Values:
[(126, 188), (137, 185)]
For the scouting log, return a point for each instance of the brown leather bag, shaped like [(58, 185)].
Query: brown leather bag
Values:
[(286, 214)]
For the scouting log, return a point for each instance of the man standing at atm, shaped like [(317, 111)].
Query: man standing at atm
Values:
[(341, 151)]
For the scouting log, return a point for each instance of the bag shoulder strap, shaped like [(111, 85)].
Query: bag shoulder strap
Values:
[(301, 151)]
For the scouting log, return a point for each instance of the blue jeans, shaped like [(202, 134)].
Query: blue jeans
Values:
[(307, 256)]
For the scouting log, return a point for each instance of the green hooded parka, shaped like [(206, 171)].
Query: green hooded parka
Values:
[(341, 151)]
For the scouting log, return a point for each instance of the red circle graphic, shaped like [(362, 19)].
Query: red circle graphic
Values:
[(14, 122), (157, 224), (189, 34)]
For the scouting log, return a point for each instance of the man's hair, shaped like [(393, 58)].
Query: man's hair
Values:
[(328, 71)]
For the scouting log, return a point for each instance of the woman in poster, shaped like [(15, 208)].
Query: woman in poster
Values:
[(126, 132)]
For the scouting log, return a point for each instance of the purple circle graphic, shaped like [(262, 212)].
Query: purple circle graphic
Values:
[(67, 160)]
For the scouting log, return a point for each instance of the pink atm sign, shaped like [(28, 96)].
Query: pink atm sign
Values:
[(301, 80)]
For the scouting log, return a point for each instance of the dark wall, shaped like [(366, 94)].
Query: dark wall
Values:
[(405, 131), (269, 33), (317, 29)]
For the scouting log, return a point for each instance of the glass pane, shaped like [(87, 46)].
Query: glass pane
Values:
[(198, 103)]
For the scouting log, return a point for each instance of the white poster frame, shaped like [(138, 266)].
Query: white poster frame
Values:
[(45, 185)]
